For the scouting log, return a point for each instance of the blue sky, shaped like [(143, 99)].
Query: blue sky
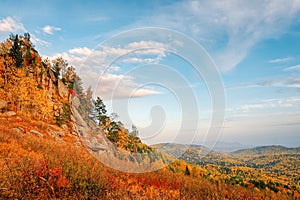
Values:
[(254, 45)]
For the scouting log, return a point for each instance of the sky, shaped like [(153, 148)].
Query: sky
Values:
[(148, 75)]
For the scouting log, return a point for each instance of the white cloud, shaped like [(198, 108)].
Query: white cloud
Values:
[(147, 44), (279, 60), (9, 24), (292, 82), (228, 29), (36, 40), (81, 51), (115, 86), (138, 60), (143, 52), (95, 67), (291, 68), (50, 29), (288, 82), (268, 104)]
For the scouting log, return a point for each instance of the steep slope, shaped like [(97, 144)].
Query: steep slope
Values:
[(40, 166), (51, 145)]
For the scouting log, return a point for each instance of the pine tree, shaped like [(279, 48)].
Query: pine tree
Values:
[(134, 131), (16, 50), (101, 111), (187, 171)]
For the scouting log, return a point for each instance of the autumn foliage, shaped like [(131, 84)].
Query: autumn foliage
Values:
[(42, 168), (38, 163)]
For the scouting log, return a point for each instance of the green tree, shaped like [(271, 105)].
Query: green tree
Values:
[(59, 67), (69, 77), (134, 131), (16, 50), (86, 107), (101, 111), (187, 171)]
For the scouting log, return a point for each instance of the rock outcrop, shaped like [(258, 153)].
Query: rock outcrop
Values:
[(62, 89)]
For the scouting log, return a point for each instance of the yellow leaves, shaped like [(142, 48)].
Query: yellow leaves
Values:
[(26, 98)]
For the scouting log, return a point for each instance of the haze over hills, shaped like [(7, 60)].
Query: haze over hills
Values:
[(87, 86), (280, 164), (265, 150), (57, 142)]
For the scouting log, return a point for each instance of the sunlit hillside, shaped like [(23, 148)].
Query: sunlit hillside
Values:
[(50, 128)]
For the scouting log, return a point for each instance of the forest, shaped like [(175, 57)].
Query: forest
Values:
[(43, 157)]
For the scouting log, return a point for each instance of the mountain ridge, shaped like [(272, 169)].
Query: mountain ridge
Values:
[(52, 147)]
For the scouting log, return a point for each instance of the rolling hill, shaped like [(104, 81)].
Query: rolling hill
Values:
[(56, 142), (264, 166)]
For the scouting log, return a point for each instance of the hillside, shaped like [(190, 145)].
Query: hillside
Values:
[(57, 142), (274, 167), (266, 150)]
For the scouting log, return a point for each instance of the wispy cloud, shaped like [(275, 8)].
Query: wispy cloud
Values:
[(9, 24), (95, 67), (82, 51), (291, 68), (39, 41), (291, 82), (280, 60), (50, 29), (228, 29), (269, 104)]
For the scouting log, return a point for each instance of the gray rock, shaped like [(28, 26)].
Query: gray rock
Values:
[(35, 132), (58, 133), (56, 113), (18, 129), (72, 118), (62, 89), (3, 104), (75, 102), (81, 125), (65, 127), (10, 113)]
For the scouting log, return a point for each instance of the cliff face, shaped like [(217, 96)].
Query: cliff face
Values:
[(33, 88), (51, 92)]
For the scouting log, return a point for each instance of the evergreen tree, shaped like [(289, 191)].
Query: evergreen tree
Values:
[(16, 50), (101, 111), (134, 131), (59, 68), (89, 102), (187, 171)]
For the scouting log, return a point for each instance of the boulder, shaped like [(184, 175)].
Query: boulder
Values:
[(10, 113), (65, 127), (56, 113), (75, 102), (3, 104), (18, 129), (35, 132), (58, 133), (62, 89)]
